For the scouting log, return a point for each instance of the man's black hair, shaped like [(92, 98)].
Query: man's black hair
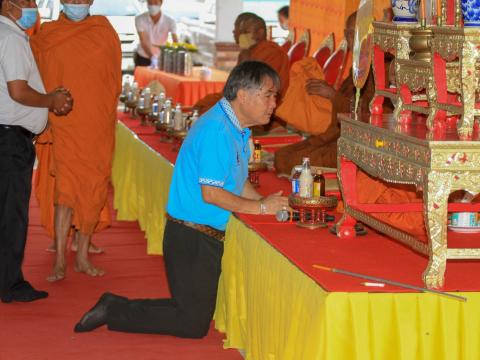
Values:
[(249, 75), (284, 10)]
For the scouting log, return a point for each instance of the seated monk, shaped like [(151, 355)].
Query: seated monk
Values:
[(250, 32), (322, 148), (325, 103)]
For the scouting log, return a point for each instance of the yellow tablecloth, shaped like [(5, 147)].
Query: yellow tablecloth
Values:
[(272, 310)]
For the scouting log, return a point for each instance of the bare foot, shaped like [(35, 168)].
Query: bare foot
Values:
[(57, 274), (51, 248), (92, 248), (87, 267)]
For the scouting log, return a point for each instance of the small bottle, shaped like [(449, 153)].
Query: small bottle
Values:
[(319, 184), (178, 124), (297, 170), (147, 96), (257, 151), (155, 106), (141, 102), (306, 179), (194, 117)]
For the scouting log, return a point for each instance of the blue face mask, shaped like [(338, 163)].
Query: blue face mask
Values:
[(28, 18), (76, 12)]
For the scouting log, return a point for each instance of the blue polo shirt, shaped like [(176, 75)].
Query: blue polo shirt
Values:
[(214, 153)]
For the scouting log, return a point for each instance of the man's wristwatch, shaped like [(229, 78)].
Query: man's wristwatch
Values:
[(263, 208)]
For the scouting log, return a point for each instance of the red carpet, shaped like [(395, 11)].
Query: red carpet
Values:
[(43, 330)]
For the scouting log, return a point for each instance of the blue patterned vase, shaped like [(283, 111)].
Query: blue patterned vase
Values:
[(405, 11), (471, 12)]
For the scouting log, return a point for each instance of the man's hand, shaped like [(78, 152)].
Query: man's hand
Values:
[(320, 88), (62, 101), (274, 203)]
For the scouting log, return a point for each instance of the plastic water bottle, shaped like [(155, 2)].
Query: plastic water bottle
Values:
[(306, 179), (178, 124)]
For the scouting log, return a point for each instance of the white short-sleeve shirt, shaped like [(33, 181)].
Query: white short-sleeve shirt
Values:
[(158, 32), (17, 63)]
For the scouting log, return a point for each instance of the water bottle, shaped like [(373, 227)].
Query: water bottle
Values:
[(306, 179), (178, 124)]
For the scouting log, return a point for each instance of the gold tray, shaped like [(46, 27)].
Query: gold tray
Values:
[(131, 104), (326, 202), (257, 166), (144, 111)]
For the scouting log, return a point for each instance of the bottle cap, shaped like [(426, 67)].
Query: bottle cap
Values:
[(257, 141), (306, 159)]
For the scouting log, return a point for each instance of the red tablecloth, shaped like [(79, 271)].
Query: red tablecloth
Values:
[(374, 254), (184, 90)]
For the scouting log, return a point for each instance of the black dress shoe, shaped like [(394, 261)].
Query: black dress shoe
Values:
[(97, 316), (24, 295)]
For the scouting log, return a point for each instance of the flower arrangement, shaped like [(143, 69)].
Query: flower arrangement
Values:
[(180, 46)]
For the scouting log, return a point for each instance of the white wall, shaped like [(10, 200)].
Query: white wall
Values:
[(227, 12)]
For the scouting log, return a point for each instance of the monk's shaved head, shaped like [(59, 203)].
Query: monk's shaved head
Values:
[(238, 21), (256, 26), (243, 16)]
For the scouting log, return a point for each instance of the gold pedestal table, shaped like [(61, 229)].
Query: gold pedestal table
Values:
[(436, 164)]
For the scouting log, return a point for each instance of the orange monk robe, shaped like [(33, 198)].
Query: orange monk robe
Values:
[(374, 191), (84, 57), (272, 54), (266, 51)]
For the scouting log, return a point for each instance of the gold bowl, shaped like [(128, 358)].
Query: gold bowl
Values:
[(254, 166), (326, 202), (144, 111), (131, 104)]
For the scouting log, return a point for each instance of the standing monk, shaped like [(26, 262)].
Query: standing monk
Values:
[(83, 52)]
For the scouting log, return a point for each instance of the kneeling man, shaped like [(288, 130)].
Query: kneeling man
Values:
[(209, 183)]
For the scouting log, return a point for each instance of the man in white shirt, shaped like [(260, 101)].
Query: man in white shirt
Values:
[(24, 112), (153, 28)]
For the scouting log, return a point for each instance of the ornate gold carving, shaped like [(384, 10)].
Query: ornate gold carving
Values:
[(437, 167), (470, 55), (404, 238)]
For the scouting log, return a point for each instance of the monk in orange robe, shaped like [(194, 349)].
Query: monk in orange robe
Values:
[(83, 53), (250, 32), (322, 148)]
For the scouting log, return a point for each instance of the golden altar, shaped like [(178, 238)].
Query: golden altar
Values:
[(408, 155)]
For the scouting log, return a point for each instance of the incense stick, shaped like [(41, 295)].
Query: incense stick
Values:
[(390, 282)]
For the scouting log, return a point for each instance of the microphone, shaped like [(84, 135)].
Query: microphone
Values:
[(284, 215)]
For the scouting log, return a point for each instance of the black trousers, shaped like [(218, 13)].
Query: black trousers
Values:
[(17, 155), (140, 60), (193, 266)]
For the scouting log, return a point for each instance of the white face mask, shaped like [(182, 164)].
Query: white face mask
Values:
[(246, 41), (154, 9)]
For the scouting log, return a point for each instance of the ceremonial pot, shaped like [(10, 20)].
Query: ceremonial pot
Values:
[(405, 11), (471, 12)]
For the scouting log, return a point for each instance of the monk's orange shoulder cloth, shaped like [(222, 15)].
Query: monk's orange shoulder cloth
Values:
[(75, 154), (272, 54), (307, 113)]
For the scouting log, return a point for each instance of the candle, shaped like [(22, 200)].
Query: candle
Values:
[(423, 12), (439, 9)]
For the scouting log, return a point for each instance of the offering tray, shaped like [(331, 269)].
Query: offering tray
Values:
[(254, 169), (144, 113), (315, 206), (177, 137), (131, 105), (164, 130)]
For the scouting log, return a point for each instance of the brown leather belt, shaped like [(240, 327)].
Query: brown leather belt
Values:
[(207, 230)]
